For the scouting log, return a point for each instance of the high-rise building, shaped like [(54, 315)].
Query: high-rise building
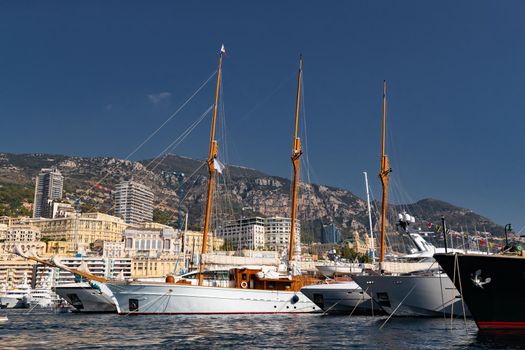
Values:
[(133, 202), (48, 187), (330, 234)]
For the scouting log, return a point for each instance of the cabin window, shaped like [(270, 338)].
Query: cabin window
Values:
[(133, 304), (243, 277)]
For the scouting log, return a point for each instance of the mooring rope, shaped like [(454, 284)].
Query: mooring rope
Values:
[(398, 306)]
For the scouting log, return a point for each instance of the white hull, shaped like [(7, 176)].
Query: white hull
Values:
[(84, 298), (341, 298), (339, 270), (149, 298), (413, 295), (9, 302)]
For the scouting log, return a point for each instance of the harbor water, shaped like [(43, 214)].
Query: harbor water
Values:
[(43, 330)]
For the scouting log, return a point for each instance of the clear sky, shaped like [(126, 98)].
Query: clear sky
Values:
[(96, 78)]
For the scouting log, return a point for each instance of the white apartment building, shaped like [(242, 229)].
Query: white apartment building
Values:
[(261, 233), (278, 234), (133, 202), (245, 233), (151, 240), (112, 249)]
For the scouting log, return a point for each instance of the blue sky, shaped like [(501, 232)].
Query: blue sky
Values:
[(96, 78)]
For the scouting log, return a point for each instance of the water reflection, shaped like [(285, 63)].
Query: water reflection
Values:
[(500, 340), (78, 331)]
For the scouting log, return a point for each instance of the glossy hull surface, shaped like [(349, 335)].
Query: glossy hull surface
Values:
[(493, 287), (149, 298), (84, 298), (413, 295), (9, 302), (341, 298)]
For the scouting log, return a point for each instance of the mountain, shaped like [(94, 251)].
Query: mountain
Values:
[(240, 191)]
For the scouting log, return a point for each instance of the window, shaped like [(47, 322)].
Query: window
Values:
[(133, 305)]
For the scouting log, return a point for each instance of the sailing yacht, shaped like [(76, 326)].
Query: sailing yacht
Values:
[(425, 291), (249, 290)]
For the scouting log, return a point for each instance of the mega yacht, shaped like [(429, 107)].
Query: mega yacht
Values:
[(86, 297), (17, 298), (492, 287)]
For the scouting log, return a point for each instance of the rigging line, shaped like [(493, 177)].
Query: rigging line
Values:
[(268, 97), (173, 114), (173, 145), (188, 190), (181, 137), (361, 299), (305, 132), (454, 283), (158, 129), (178, 140), (442, 297), (193, 184), (461, 293)]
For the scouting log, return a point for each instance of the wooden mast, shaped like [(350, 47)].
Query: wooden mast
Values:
[(296, 154), (383, 175), (211, 167)]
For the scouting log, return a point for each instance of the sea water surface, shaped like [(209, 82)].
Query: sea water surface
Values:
[(47, 330)]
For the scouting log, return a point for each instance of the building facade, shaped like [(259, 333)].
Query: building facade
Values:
[(192, 242), (151, 240), (258, 233), (156, 267), (133, 202), (48, 187), (81, 230), (13, 271), (245, 233), (26, 237), (330, 234)]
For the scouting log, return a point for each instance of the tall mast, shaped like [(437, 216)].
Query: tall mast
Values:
[(211, 167), (296, 154), (383, 175)]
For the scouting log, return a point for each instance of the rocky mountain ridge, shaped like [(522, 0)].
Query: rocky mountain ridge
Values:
[(240, 192)]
